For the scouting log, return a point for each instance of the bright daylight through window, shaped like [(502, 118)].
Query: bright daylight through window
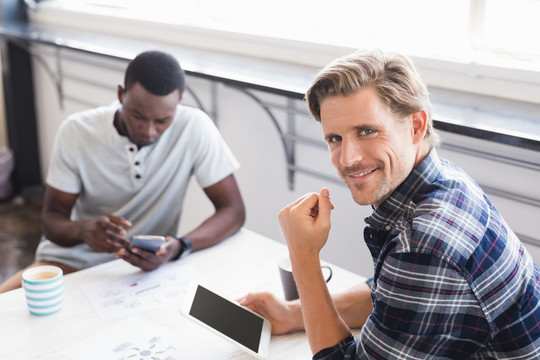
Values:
[(468, 47), (456, 30)]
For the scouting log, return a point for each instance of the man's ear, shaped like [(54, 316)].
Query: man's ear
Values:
[(120, 93), (419, 126)]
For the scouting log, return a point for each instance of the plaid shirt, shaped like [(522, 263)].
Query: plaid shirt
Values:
[(452, 281)]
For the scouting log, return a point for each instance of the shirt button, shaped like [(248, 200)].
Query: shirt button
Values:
[(137, 176), (137, 163), (131, 149), (388, 227)]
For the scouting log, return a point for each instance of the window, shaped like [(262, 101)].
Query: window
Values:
[(479, 46), (516, 36), (453, 29)]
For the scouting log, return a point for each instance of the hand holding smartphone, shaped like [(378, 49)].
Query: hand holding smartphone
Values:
[(150, 243)]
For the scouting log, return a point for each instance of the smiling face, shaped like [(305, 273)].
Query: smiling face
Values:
[(144, 116), (372, 149)]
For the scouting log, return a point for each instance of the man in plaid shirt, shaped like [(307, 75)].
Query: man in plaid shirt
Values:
[(451, 280)]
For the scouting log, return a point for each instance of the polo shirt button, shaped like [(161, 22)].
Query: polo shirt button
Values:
[(388, 227), (137, 176), (137, 163)]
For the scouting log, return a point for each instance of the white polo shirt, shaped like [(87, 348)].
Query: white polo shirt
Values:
[(146, 186)]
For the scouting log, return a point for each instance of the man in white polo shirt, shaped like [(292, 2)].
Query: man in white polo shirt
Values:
[(121, 170)]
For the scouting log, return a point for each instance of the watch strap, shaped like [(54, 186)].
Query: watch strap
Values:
[(184, 250)]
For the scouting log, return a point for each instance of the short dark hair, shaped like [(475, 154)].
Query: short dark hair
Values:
[(158, 72)]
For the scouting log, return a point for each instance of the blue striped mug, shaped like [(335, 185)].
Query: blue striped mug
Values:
[(44, 289)]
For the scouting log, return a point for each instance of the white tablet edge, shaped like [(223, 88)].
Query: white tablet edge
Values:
[(266, 331)]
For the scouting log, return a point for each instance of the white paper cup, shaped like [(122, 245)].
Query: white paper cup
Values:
[(44, 289)]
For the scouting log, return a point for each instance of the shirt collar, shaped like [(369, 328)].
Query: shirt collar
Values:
[(401, 202)]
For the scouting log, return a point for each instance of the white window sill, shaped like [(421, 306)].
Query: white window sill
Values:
[(510, 79)]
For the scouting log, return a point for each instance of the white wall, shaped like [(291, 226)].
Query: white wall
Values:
[(263, 177)]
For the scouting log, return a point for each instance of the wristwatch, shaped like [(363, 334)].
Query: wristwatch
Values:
[(185, 250)]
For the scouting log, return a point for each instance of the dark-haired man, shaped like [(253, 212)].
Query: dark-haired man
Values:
[(123, 169)]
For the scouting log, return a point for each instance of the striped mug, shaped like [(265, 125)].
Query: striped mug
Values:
[(44, 289)]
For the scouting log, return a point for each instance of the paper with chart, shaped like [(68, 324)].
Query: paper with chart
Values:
[(136, 338), (117, 296)]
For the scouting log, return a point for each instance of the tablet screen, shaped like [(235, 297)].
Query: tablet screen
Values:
[(227, 318)]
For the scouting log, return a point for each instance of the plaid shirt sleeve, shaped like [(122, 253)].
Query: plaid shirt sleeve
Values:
[(423, 309)]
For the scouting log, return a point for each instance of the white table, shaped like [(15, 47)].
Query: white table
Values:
[(245, 262)]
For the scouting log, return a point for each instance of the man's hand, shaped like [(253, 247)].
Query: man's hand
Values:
[(305, 224), (354, 306), (105, 233), (285, 316), (148, 261)]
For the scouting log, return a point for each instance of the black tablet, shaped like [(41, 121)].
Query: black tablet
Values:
[(228, 319)]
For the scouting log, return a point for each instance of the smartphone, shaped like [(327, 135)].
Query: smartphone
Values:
[(150, 243), (228, 319)]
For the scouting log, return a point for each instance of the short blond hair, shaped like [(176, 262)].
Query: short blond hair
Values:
[(394, 77)]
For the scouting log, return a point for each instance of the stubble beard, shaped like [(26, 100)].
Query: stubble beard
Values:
[(361, 193)]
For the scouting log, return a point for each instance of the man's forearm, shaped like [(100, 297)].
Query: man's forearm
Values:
[(324, 326), (354, 305), (60, 230), (217, 227)]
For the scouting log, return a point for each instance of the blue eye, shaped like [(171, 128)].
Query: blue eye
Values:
[(367, 132), (335, 138)]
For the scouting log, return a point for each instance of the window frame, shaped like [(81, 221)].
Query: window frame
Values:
[(511, 79)]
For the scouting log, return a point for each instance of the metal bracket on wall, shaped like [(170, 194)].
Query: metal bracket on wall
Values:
[(500, 159), (289, 137), (58, 77)]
